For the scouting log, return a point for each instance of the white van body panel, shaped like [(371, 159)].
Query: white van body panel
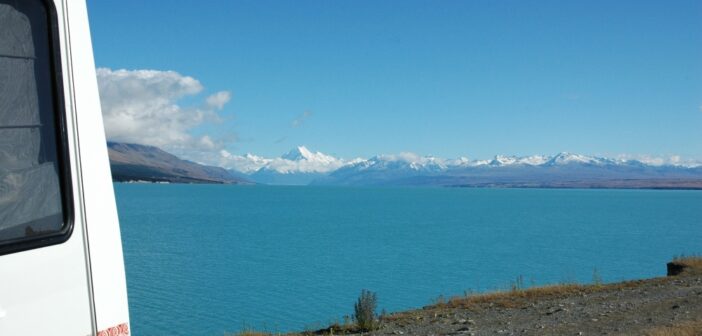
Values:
[(77, 287), (45, 291), (104, 241)]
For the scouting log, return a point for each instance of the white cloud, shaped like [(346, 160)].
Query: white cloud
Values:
[(299, 160), (218, 100), (297, 122), (248, 163), (408, 157), (672, 160), (143, 106), (413, 158)]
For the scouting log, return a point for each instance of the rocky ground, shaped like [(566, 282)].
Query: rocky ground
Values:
[(642, 307)]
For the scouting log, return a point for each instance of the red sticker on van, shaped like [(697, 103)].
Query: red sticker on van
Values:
[(118, 330)]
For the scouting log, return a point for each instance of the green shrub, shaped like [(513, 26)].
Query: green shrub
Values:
[(364, 310)]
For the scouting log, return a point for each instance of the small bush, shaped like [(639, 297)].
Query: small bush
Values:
[(596, 278), (518, 285), (364, 310)]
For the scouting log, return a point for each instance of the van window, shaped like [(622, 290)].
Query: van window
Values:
[(32, 179)]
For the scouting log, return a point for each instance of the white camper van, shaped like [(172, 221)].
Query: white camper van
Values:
[(61, 264)]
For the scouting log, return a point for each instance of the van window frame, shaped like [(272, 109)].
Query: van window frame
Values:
[(61, 143)]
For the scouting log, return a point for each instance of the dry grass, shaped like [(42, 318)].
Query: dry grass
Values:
[(513, 298), (333, 329), (692, 264), (516, 298), (692, 328), (336, 329)]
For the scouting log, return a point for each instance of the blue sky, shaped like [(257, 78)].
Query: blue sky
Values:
[(445, 78)]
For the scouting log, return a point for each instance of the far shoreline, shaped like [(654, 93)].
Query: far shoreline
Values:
[(694, 187)]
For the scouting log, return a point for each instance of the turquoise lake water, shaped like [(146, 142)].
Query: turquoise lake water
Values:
[(210, 259)]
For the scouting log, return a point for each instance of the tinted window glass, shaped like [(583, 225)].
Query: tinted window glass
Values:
[(31, 197)]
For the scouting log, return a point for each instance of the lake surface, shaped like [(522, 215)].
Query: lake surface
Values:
[(210, 259)]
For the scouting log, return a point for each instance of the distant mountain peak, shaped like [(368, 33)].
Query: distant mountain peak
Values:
[(503, 160), (299, 153), (563, 158)]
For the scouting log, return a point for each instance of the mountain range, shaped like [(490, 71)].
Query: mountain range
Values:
[(562, 170), (301, 166), (133, 162)]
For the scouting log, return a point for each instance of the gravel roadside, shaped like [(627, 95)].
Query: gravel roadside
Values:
[(666, 306), (631, 308)]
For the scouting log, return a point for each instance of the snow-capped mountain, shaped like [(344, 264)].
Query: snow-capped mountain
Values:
[(538, 160), (302, 166), (301, 153), (299, 166), (404, 161), (299, 159), (569, 158), (383, 167), (560, 170)]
